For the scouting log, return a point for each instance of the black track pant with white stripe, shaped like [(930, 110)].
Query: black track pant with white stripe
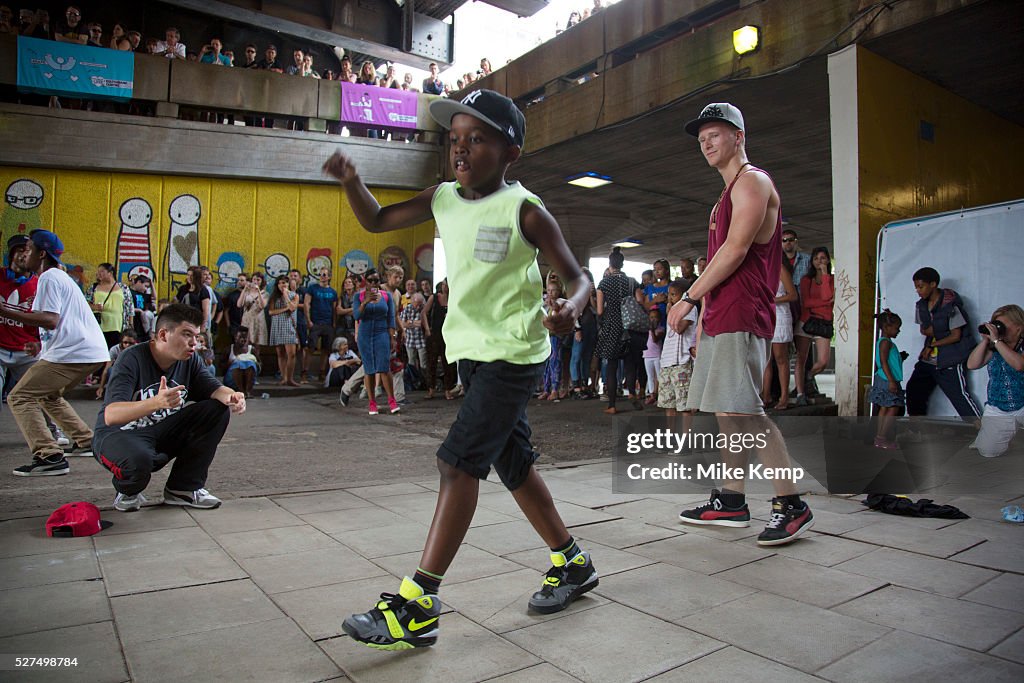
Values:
[(952, 381)]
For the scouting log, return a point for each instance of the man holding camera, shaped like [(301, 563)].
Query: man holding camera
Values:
[(948, 342)]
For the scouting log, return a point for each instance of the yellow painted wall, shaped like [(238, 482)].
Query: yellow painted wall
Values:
[(973, 161), (240, 221)]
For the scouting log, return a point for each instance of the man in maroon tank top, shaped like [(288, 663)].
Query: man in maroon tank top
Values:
[(737, 323)]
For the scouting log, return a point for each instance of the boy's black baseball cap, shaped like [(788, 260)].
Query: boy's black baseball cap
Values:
[(492, 108)]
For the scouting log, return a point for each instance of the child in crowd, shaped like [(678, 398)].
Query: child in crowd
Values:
[(677, 358), (886, 392), (342, 362), (204, 348), (242, 364), (144, 319), (553, 370), (652, 354), (128, 339), (492, 232)]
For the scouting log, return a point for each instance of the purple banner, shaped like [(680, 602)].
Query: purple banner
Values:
[(369, 105)]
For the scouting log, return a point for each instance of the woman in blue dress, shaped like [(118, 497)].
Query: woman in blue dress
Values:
[(375, 312)]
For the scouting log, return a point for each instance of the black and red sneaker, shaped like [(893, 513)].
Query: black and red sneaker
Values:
[(787, 524), (717, 513)]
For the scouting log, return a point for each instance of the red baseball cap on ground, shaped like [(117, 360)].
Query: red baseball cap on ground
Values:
[(75, 519)]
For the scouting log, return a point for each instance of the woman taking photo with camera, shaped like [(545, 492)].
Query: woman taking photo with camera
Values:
[(1001, 349)]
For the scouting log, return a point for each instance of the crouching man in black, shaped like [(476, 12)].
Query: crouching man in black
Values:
[(162, 404)]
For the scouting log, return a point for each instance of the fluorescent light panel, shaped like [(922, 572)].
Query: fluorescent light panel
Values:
[(589, 180), (628, 243)]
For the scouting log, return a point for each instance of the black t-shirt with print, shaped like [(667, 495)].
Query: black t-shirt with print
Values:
[(135, 376)]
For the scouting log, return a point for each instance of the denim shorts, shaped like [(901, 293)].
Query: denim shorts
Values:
[(491, 427)]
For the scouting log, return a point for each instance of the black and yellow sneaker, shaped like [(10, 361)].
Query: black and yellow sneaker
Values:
[(565, 581), (398, 622)]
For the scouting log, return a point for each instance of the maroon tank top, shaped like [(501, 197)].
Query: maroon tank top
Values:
[(745, 301)]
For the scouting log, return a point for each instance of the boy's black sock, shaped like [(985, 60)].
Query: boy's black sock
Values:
[(793, 500), (732, 499), (570, 549), (430, 583)]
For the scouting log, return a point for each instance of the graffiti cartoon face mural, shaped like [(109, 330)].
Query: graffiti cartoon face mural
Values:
[(183, 237), (133, 240), (229, 265), (357, 262), (317, 261), (424, 256), (275, 266), (21, 209), (393, 256)]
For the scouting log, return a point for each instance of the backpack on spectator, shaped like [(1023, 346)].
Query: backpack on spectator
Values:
[(634, 319)]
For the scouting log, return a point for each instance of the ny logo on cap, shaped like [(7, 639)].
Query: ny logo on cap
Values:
[(712, 111), (471, 97)]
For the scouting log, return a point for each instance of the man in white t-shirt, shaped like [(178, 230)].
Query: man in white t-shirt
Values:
[(71, 347)]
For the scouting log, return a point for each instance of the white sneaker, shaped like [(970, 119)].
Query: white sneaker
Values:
[(62, 440), (126, 503), (200, 498)]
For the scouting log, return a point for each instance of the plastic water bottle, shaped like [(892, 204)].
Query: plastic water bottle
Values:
[(265, 396)]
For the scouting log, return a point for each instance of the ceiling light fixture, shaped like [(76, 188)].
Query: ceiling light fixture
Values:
[(746, 39), (628, 243), (589, 180)]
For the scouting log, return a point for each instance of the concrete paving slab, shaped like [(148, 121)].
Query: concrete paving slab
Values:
[(27, 536), (26, 610), (733, 664), (1013, 649), (1006, 591), (153, 543), (837, 504), (500, 603), (587, 496), (372, 493), (828, 551), (669, 592), (649, 511), (319, 611), (465, 652), (607, 560), (959, 622), (419, 507), (571, 514), (919, 572), (937, 543), (541, 672), (470, 563), (246, 514), (152, 616), (340, 521), (907, 657), (280, 573), (803, 581), (491, 485), (994, 555), (787, 631), (999, 531), (149, 518), (405, 537), (502, 539), (723, 533), (95, 646), (828, 522), (271, 651), (159, 572), (40, 570), (700, 554), (981, 507), (613, 643), (279, 541), (624, 533), (326, 501)]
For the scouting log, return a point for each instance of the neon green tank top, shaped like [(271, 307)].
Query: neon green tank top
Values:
[(494, 305)]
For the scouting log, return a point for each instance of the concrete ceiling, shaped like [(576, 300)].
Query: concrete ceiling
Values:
[(664, 190)]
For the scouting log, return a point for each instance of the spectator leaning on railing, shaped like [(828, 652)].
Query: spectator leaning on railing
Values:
[(34, 24), (71, 30), (250, 58), (269, 61), (296, 68), (170, 47), (211, 54), (95, 32)]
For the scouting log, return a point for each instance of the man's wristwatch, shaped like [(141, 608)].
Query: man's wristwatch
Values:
[(687, 299)]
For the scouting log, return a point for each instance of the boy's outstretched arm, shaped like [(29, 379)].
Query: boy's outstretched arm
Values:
[(541, 229), (368, 212)]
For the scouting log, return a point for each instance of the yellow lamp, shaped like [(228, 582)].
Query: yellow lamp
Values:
[(746, 39)]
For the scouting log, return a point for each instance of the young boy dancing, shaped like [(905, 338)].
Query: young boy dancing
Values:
[(492, 231)]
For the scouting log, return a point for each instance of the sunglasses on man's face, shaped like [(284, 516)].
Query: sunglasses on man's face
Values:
[(789, 239)]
